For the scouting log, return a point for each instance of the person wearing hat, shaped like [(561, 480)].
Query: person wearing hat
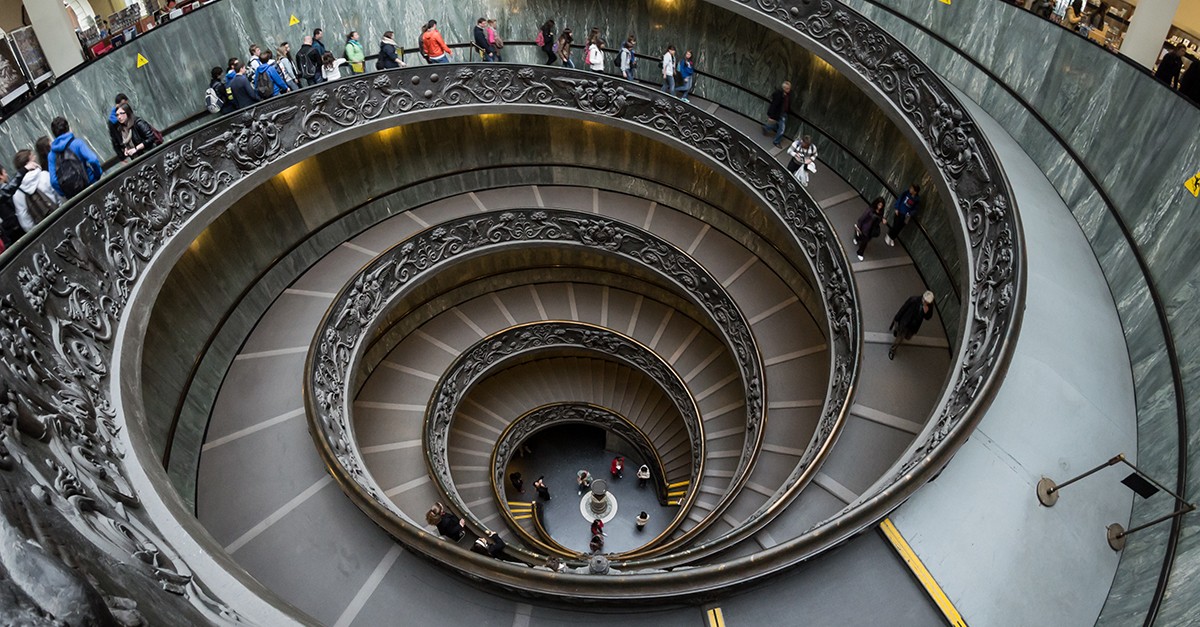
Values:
[(907, 322)]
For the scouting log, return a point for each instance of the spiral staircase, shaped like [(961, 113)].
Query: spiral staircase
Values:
[(388, 332)]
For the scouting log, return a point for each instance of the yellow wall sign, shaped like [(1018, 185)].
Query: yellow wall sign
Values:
[(945, 1), (1193, 185), (142, 60), (294, 21)]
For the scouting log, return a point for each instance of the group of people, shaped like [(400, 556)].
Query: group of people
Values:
[(869, 225), (1170, 72), (267, 73), (59, 166), (518, 483), (454, 528), (557, 48)]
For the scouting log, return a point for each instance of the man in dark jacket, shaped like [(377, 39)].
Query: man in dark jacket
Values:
[(318, 42), (904, 210), (777, 112), (486, 50), (114, 127), (10, 227), (308, 62), (908, 320), (1189, 85), (388, 58), (244, 94), (1170, 67)]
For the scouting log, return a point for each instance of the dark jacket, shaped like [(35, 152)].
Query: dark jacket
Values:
[(448, 526), (388, 59), (91, 162), (1169, 68), (222, 91), (910, 316), (10, 227), (1189, 85), (548, 40), (278, 86), (496, 545), (907, 205), (308, 62), (244, 94), (781, 103), (114, 132), (143, 134), (869, 223), (481, 41), (320, 48)]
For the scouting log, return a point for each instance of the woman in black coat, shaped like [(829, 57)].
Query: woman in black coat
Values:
[(548, 42), (908, 320), (137, 136), (869, 226), (388, 58), (451, 526)]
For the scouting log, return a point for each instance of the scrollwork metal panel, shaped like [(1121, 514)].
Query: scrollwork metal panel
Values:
[(346, 330)]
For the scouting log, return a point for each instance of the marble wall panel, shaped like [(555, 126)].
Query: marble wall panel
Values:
[(1138, 140)]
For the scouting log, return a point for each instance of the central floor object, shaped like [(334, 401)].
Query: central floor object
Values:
[(599, 503)]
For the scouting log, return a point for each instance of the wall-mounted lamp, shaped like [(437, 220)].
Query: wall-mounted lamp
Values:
[(1141, 483)]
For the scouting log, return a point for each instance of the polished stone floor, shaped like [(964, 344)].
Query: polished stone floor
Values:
[(559, 454)]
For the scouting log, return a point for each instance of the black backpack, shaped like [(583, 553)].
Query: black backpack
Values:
[(38, 204), (262, 83), (71, 173), (304, 65)]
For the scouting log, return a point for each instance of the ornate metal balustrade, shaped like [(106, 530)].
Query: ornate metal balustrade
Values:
[(499, 349), (356, 313), (70, 285), (541, 418)]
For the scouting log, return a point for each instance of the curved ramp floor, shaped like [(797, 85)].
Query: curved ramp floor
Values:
[(264, 495)]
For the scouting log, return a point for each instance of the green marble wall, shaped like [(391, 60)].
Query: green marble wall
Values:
[(181, 53), (1138, 139)]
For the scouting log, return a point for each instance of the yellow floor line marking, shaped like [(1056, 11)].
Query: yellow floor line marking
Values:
[(679, 493), (923, 576), (716, 618), (522, 516), (677, 484)]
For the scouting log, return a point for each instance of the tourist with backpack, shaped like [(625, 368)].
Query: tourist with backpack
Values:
[(240, 89), (35, 198), (137, 135), (267, 79), (73, 164), (285, 67), (545, 41), (308, 62), (216, 97)]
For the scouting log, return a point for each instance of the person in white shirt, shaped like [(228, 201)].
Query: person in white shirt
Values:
[(36, 197), (804, 158), (668, 69), (628, 58), (595, 56), (331, 68)]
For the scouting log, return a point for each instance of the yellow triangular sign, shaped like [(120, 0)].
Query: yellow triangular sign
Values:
[(142, 60), (945, 1), (1193, 185), (294, 21)]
